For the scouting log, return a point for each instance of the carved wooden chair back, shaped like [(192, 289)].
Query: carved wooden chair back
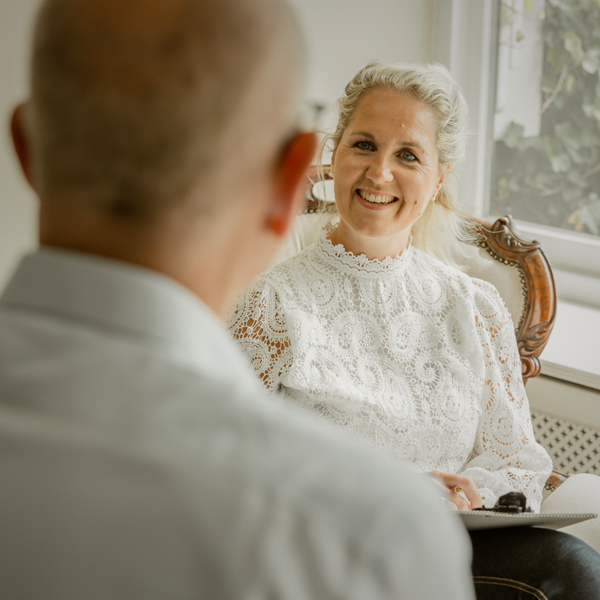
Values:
[(535, 319)]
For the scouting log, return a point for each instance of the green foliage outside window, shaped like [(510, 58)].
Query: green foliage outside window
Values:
[(554, 178)]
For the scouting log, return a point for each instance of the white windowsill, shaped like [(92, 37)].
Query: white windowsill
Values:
[(573, 351)]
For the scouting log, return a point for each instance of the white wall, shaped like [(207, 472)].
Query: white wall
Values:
[(17, 203), (345, 35)]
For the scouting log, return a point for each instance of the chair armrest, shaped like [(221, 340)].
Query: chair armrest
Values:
[(555, 480)]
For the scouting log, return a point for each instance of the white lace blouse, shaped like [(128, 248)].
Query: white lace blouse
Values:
[(408, 353)]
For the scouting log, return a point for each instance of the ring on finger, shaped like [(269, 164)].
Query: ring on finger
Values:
[(457, 489)]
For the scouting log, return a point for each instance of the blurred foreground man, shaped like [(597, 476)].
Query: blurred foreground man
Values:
[(137, 456)]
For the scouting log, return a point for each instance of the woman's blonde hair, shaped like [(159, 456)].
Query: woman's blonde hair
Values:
[(443, 226)]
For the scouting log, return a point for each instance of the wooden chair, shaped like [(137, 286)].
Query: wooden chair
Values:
[(517, 267), (538, 312)]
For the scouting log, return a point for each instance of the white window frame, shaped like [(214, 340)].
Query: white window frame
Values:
[(464, 39)]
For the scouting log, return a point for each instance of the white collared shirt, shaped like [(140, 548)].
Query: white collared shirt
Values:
[(138, 459)]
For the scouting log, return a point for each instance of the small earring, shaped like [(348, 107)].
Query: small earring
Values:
[(434, 197)]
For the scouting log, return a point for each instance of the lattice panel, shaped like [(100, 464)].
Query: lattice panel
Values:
[(573, 448)]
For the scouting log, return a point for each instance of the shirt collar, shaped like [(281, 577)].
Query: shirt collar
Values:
[(118, 296)]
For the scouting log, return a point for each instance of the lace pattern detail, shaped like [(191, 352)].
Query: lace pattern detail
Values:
[(346, 260), (407, 353)]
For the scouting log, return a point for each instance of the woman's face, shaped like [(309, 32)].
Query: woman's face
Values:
[(386, 166)]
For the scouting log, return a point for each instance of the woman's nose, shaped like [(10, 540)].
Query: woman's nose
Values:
[(380, 172)]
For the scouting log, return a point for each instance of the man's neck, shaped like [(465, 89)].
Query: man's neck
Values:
[(204, 259)]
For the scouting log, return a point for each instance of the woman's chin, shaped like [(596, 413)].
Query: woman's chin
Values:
[(376, 231), (374, 225)]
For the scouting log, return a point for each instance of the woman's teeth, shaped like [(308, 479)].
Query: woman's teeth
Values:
[(376, 199)]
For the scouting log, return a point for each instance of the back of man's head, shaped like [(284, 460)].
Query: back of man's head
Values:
[(137, 104)]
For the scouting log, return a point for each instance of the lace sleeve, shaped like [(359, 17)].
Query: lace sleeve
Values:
[(258, 325), (505, 456)]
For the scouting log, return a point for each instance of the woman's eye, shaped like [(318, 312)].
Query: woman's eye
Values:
[(407, 155), (364, 145)]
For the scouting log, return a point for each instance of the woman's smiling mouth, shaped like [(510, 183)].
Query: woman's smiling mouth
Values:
[(376, 198)]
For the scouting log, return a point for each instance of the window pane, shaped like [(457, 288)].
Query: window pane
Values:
[(546, 158)]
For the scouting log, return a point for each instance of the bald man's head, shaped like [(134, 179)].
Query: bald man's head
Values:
[(137, 103)]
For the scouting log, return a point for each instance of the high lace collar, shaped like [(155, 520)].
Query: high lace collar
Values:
[(361, 264)]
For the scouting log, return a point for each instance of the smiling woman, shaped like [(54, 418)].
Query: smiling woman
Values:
[(374, 329), (386, 171), (420, 116), (368, 329)]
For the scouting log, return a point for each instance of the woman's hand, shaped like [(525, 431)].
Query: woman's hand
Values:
[(454, 484)]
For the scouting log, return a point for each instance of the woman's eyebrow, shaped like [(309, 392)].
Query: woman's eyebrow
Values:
[(369, 136), (364, 134)]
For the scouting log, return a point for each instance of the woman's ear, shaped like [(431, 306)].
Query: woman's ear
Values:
[(291, 182), (21, 141), (445, 170)]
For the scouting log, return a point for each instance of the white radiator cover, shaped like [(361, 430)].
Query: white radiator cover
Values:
[(574, 448)]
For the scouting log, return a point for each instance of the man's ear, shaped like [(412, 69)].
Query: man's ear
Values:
[(290, 182), (21, 141)]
